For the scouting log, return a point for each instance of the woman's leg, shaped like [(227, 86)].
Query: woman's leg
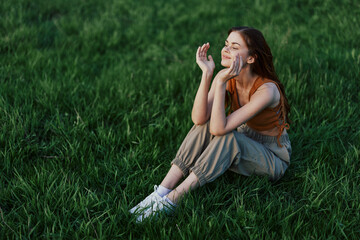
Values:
[(192, 147), (238, 153), (214, 161), (218, 156), (233, 151), (191, 182), (172, 177)]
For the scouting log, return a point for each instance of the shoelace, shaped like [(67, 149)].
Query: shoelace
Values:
[(163, 205), (157, 205), (148, 198)]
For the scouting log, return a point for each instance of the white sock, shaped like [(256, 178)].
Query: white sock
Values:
[(163, 191), (169, 201)]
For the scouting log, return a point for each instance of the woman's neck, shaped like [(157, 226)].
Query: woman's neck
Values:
[(245, 80)]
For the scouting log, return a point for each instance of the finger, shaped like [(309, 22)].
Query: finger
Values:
[(241, 63), (234, 64), (206, 48), (237, 65), (204, 45), (198, 52), (202, 50), (235, 69), (210, 58), (231, 68)]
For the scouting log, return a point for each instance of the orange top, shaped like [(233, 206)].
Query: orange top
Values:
[(269, 117)]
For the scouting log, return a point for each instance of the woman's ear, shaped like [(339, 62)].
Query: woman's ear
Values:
[(251, 59)]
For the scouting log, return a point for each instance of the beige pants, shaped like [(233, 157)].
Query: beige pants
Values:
[(243, 151)]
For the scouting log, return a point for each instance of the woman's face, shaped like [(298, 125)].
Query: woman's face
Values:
[(234, 44)]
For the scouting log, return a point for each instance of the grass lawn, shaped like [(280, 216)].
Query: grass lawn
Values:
[(96, 98)]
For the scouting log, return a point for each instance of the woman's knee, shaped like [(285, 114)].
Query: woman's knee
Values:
[(205, 125), (203, 128)]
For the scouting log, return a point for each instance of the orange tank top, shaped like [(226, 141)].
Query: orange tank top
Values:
[(265, 120)]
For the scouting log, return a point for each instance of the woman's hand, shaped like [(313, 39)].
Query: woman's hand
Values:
[(207, 66), (234, 70)]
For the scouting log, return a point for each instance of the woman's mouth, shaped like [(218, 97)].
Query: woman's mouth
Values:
[(225, 57)]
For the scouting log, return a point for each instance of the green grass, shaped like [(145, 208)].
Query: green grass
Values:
[(96, 96)]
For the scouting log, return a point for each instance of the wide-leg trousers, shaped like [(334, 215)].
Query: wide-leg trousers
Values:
[(243, 151)]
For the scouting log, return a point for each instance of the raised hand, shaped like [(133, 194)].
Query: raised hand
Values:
[(234, 70), (202, 60)]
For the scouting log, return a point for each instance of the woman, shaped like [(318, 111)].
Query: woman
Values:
[(250, 138)]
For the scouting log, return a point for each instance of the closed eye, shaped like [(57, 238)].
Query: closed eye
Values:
[(235, 48), (233, 44)]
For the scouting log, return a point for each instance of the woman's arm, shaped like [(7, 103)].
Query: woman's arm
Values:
[(203, 101), (204, 98), (265, 96)]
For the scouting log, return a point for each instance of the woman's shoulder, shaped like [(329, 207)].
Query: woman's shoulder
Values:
[(263, 84), (264, 80), (270, 85), (269, 89)]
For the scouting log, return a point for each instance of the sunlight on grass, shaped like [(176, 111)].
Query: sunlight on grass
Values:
[(96, 96)]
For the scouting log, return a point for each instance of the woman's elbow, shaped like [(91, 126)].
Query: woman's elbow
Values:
[(216, 132), (198, 121)]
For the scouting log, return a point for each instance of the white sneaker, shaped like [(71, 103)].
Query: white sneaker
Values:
[(159, 206), (152, 205), (147, 202)]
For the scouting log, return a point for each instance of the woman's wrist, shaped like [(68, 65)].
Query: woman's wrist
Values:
[(219, 81), (220, 84), (207, 74)]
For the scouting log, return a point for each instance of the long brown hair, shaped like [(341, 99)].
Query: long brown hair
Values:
[(263, 65)]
